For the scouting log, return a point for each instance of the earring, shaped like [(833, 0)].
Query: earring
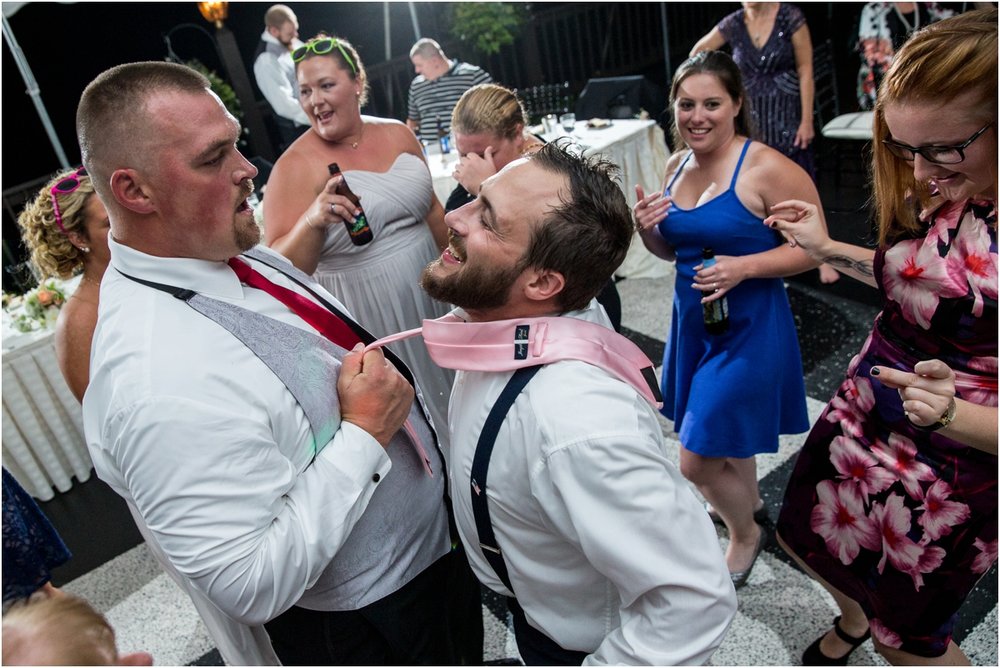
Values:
[(84, 249)]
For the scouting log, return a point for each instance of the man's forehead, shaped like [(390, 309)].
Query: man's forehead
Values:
[(190, 116), (523, 188)]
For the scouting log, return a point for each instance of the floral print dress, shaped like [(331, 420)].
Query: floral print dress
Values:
[(901, 519)]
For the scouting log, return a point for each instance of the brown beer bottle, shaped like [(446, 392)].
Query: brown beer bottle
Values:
[(715, 313), (357, 229)]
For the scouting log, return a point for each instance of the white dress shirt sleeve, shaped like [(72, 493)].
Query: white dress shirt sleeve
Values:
[(608, 495), (229, 510), (278, 89)]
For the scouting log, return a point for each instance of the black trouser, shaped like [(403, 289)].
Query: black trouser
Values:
[(431, 620), (536, 648)]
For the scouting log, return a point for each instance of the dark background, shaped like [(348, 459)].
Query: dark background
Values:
[(68, 44)]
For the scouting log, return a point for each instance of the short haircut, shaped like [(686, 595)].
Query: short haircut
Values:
[(946, 60), (427, 48), (721, 66), (59, 629), (491, 109), (112, 114), (586, 237), (278, 15)]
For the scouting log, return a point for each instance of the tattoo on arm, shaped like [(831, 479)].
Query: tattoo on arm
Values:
[(860, 267)]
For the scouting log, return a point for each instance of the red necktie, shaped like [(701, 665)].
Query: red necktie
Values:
[(325, 322), (322, 320)]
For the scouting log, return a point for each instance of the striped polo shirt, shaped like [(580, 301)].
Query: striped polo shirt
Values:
[(430, 100)]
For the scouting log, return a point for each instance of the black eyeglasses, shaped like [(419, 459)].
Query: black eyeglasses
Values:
[(321, 47), (939, 155)]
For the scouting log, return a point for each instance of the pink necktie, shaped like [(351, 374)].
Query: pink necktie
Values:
[(506, 345), (323, 321)]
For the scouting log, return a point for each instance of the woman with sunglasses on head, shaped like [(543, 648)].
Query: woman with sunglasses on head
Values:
[(892, 505), (66, 228), (306, 219)]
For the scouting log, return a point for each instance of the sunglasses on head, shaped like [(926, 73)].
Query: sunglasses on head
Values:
[(322, 46), (65, 186)]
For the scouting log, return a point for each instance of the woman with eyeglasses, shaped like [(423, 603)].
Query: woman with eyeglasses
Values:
[(383, 163), (65, 228), (892, 505)]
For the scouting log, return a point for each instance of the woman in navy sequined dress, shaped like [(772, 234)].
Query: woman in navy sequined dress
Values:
[(771, 45)]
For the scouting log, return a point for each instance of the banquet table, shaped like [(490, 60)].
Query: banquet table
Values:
[(636, 146), (43, 443)]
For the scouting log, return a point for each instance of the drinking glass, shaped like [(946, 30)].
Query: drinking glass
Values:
[(568, 122)]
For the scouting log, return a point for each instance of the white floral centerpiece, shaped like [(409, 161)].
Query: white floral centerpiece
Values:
[(37, 309)]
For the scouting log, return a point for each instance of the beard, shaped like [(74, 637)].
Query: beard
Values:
[(247, 236), (470, 287)]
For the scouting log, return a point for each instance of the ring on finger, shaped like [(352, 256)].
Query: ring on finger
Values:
[(332, 205)]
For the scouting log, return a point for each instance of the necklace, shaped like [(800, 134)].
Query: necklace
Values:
[(755, 23), (361, 135), (907, 26)]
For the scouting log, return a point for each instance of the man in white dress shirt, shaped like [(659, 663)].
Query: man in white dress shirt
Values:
[(611, 558), (266, 465), (274, 72)]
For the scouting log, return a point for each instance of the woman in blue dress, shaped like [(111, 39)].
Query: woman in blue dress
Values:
[(717, 193)]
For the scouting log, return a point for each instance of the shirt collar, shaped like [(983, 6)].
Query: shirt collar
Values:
[(271, 39), (204, 276)]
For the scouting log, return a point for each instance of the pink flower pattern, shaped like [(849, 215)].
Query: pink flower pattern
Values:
[(940, 514), (881, 633), (854, 463), (893, 522), (900, 457), (884, 498), (840, 519), (973, 266), (987, 555), (851, 409), (916, 279)]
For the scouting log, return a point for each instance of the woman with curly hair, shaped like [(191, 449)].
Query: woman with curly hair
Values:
[(66, 228)]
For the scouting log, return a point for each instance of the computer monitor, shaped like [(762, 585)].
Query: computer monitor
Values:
[(620, 97)]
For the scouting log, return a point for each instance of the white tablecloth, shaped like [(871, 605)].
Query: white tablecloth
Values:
[(43, 444), (637, 147), (856, 125)]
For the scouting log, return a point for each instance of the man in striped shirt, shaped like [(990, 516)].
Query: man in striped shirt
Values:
[(437, 87)]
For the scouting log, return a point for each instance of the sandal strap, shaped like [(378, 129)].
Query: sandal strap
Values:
[(850, 640)]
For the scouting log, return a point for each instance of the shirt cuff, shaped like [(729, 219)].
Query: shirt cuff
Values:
[(357, 454)]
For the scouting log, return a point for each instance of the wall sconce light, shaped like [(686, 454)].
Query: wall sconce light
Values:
[(214, 12)]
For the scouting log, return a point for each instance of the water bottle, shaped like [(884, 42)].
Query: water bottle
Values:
[(443, 138), (714, 313), (357, 229)]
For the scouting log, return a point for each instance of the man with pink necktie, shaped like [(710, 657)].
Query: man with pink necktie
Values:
[(286, 479), (563, 490)]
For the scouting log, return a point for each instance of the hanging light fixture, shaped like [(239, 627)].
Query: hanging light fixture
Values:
[(214, 12)]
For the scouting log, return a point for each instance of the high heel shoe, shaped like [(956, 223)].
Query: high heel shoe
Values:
[(740, 577), (814, 657)]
